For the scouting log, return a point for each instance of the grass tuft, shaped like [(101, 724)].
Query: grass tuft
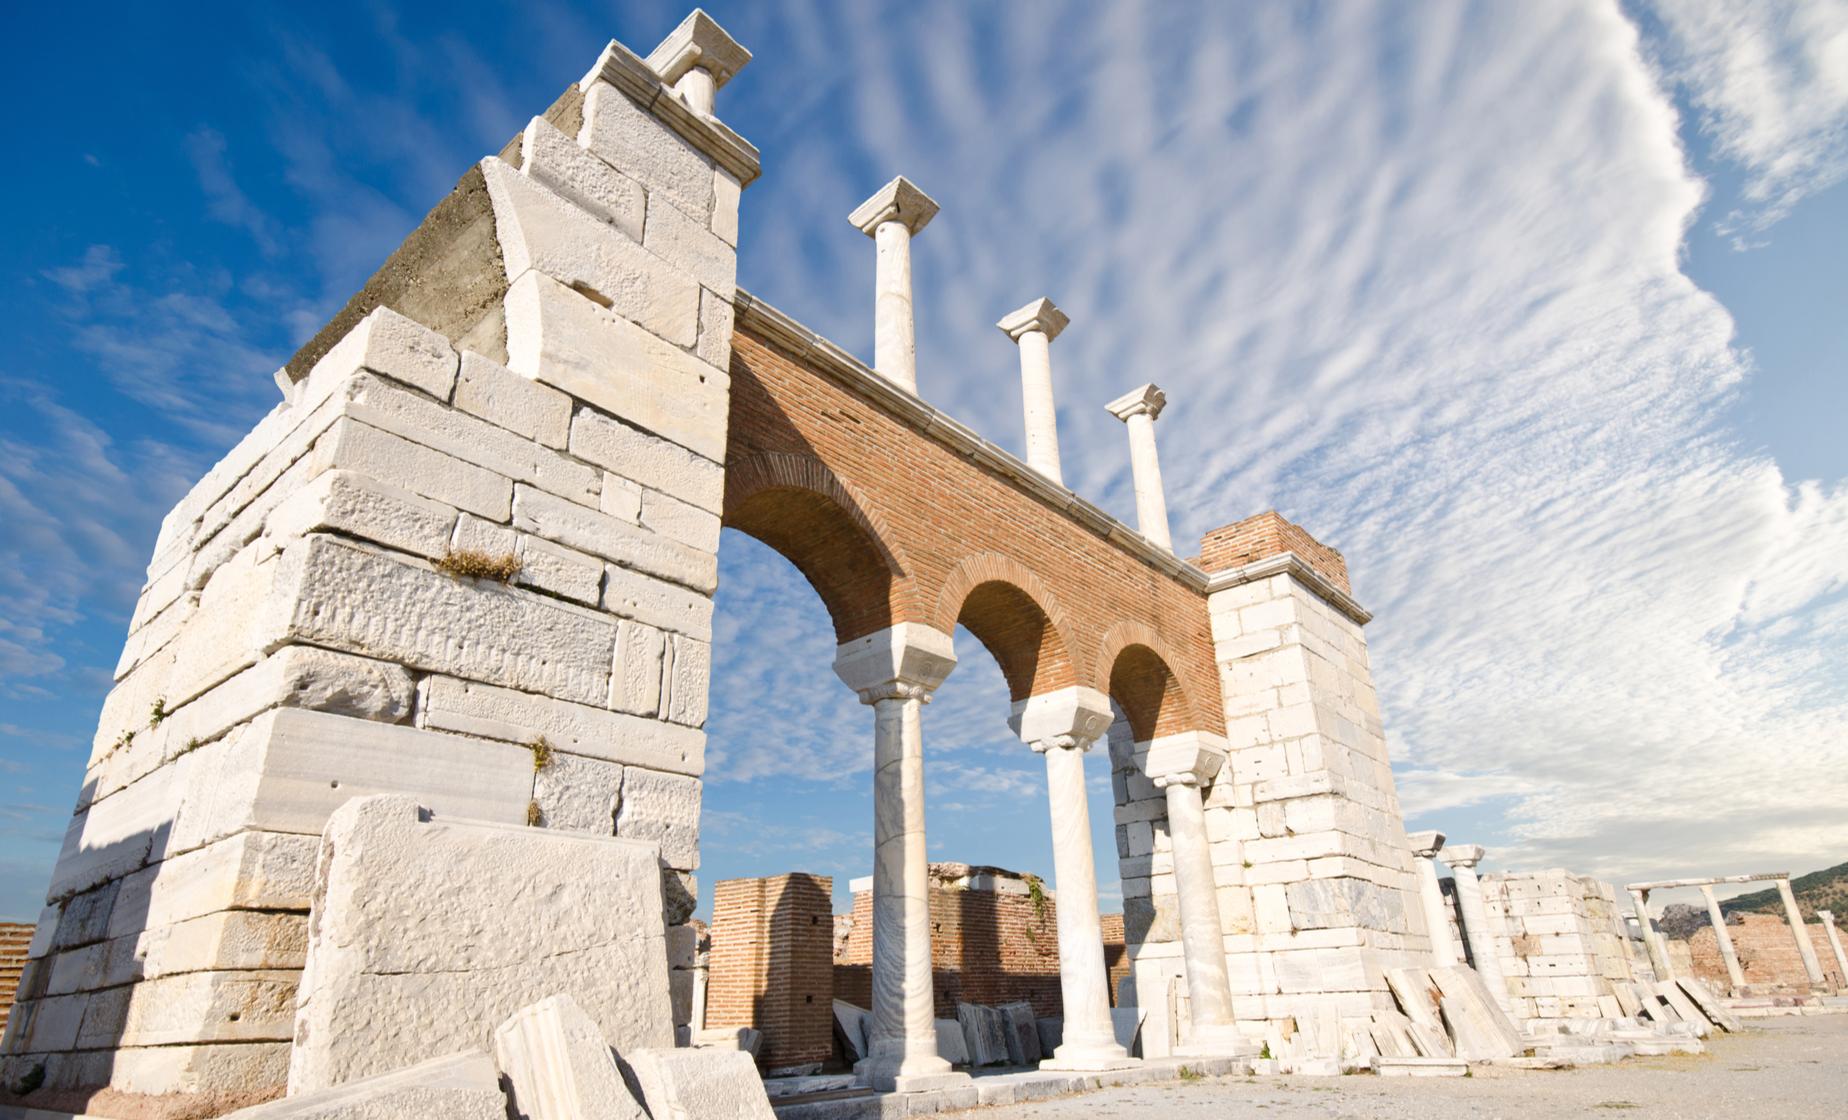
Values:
[(467, 563), (159, 712), (533, 814), (542, 753)]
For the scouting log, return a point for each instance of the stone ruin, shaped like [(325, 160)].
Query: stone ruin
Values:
[(394, 804)]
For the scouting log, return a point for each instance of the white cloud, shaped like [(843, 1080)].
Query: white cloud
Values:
[(1769, 80), (1412, 277)]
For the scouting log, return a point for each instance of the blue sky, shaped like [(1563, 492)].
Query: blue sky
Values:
[(1535, 310)]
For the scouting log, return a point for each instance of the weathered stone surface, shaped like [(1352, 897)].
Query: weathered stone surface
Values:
[(639, 145), (461, 1086), (521, 405), (850, 1026), (520, 717), (649, 460), (662, 809), (364, 449), (630, 546), (1023, 1044), (1479, 1028), (950, 1044), (1127, 1022), (1051, 1034), (686, 672), (558, 1066), (686, 523), (341, 595), (691, 246), (725, 192), (559, 162), (699, 1084), (198, 1007), (390, 344), (985, 1034), (635, 682), (578, 793), (658, 603), (565, 339), (562, 571), (550, 235), (717, 319), (427, 933), (360, 506)]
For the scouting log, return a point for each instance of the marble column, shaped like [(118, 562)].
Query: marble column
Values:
[(1181, 766), (1484, 954), (1138, 409), (1437, 915), (1033, 328), (696, 59), (891, 218), (1062, 725), (1835, 944), (1723, 936), (1811, 965), (1652, 939), (895, 670)]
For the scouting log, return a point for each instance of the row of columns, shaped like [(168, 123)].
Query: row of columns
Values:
[(1472, 911), (892, 217), (1793, 915)]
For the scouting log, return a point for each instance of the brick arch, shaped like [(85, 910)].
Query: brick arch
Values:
[(829, 531), (1134, 665), (1015, 616)]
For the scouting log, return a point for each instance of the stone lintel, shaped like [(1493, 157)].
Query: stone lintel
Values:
[(1195, 754), (1143, 399), (1040, 315), (1425, 843), (1674, 884), (700, 42), (898, 201), (904, 654), (1079, 713)]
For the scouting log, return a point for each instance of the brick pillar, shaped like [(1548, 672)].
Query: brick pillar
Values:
[(772, 966)]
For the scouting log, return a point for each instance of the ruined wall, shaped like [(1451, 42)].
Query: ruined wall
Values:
[(15, 938), (993, 940), (772, 965), (485, 584), (1767, 954), (1562, 943)]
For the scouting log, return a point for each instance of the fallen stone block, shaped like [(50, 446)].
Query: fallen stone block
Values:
[(427, 933), (1419, 1067), (559, 1068), (699, 1084), (1023, 1044), (746, 1039), (951, 1046), (851, 1028), (462, 1086), (1709, 1004), (1478, 1026), (1052, 1034), (984, 1034), (1127, 1023)]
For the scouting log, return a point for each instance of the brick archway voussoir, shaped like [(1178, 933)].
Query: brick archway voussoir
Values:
[(1182, 714)]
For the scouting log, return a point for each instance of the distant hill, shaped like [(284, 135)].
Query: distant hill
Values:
[(1819, 890)]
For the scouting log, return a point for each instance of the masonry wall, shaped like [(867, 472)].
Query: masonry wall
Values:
[(1562, 944), (996, 942), (772, 966), (309, 632), (15, 937), (1767, 954)]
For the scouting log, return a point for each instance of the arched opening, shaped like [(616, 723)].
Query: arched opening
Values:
[(1148, 693)]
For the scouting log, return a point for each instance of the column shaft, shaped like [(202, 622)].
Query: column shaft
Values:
[(1203, 941), (1723, 936), (1807, 951), (699, 90), (1037, 404), (1835, 944), (1145, 466), (1437, 915), (895, 344), (1090, 1038), (1483, 951), (1658, 952)]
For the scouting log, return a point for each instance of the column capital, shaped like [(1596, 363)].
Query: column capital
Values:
[(1826, 915), (1466, 856), (904, 661), (1195, 755), (1065, 718), (699, 43), (1041, 315), (1148, 400), (1426, 844), (898, 201)]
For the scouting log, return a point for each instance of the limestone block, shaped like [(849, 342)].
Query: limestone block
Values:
[(635, 683), (985, 1034), (377, 402), (566, 340), (177, 527), (46, 1025), (487, 389), (561, 163), (562, 571), (660, 604), (680, 998), (247, 525), (360, 506), (662, 809), (156, 632), (685, 523), (648, 460), (1127, 1023), (578, 793), (640, 145), (387, 343), (621, 498), (699, 1084), (364, 449), (220, 1075), (462, 1086), (851, 1025), (1023, 1046), (725, 192), (629, 546), (950, 1044), (235, 940), (251, 870), (428, 932), (690, 245), (520, 717), (559, 1068), (206, 1007), (341, 595), (545, 233), (117, 835), (289, 769), (717, 319), (1477, 1024), (687, 670)]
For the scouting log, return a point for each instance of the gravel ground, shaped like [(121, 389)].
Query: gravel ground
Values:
[(1784, 1068)]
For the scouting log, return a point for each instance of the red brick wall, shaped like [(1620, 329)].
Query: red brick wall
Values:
[(771, 966), (1116, 952), (1268, 534), (1767, 953), (986, 947), (15, 938), (910, 530)]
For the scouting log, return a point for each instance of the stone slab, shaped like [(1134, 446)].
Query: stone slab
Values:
[(474, 708), (1420, 1067), (1051, 1034), (427, 933), (1127, 1023), (699, 1084), (985, 1034), (950, 1044), (1709, 1004), (1023, 1044), (461, 1086), (1479, 1028), (558, 1067), (851, 1025)]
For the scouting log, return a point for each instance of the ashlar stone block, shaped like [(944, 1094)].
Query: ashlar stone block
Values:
[(520, 717), (487, 389), (559, 1067), (428, 933), (663, 810), (390, 344), (699, 1084), (462, 1086), (648, 460), (558, 161), (640, 145)]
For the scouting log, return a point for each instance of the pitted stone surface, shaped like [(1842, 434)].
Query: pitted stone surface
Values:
[(699, 1084), (662, 809), (462, 1086), (985, 1034), (426, 934)]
